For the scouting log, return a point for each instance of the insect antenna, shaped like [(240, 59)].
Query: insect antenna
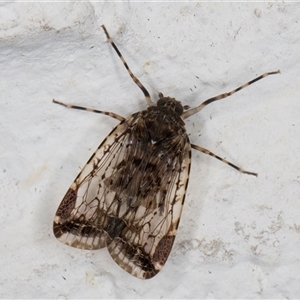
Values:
[(134, 78), (196, 109)]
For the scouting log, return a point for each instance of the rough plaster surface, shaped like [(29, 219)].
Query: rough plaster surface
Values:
[(239, 236)]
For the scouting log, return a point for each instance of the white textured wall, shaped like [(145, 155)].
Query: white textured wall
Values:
[(239, 235)]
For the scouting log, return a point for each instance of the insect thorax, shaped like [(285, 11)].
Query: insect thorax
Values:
[(163, 120)]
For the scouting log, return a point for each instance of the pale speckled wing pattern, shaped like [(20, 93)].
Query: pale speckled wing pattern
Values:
[(129, 195)]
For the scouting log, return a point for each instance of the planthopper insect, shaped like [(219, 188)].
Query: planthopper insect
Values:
[(129, 195)]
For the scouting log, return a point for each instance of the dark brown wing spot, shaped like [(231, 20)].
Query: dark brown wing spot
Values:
[(163, 249), (67, 204), (132, 258)]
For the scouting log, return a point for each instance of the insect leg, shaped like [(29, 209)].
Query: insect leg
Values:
[(134, 78), (196, 109), (108, 113), (222, 159)]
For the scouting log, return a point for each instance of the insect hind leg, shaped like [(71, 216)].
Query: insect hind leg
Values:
[(134, 78), (203, 150), (107, 113)]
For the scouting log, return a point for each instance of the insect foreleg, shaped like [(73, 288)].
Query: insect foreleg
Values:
[(108, 113)]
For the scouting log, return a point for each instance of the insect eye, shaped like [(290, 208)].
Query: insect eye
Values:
[(178, 108), (162, 101)]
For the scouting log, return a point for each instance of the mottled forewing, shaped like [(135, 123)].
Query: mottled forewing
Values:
[(82, 216), (128, 197)]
